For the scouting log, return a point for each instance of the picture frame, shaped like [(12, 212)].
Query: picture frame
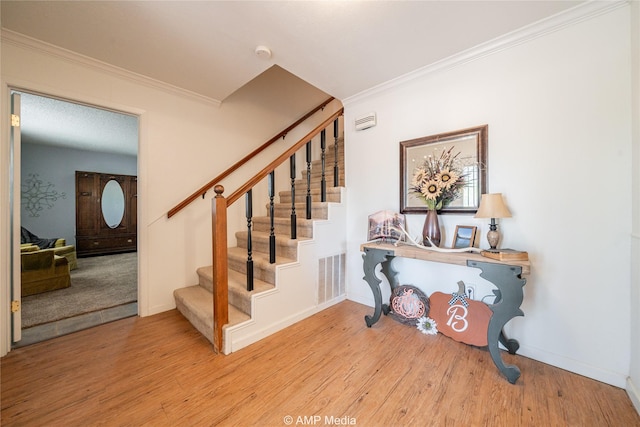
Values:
[(472, 143), (464, 236), (384, 225)]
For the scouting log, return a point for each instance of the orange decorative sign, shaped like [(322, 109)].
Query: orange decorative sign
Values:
[(460, 318)]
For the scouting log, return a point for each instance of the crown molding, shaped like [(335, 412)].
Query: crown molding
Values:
[(26, 42), (554, 23)]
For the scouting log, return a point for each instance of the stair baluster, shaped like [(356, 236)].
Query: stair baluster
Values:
[(336, 169), (323, 178), (249, 213), (292, 174), (272, 234), (309, 179)]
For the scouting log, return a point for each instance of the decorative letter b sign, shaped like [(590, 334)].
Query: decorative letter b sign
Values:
[(460, 318)]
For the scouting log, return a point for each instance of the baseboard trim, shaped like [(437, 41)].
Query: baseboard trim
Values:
[(361, 299), (150, 311), (232, 345), (615, 379), (634, 394)]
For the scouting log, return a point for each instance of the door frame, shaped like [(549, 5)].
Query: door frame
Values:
[(10, 160)]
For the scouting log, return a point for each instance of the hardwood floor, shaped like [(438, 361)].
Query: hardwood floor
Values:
[(159, 371)]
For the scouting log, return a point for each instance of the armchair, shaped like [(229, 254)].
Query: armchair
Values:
[(42, 271), (31, 242)]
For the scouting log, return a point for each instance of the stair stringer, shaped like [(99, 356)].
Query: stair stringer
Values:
[(295, 295)]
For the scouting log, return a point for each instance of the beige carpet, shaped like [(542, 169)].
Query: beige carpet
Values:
[(98, 283)]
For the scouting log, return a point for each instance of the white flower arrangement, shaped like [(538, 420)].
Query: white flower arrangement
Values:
[(427, 326)]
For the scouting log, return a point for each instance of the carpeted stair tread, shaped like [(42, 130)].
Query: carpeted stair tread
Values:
[(285, 245), (319, 210), (238, 282), (283, 240), (282, 225), (316, 168), (333, 195), (196, 304), (301, 187), (262, 268), (238, 295), (259, 259)]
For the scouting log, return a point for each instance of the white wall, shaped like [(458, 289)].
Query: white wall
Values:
[(633, 384), (57, 166), (558, 110), (184, 142)]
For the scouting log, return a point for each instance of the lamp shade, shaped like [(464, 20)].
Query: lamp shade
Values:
[(492, 206)]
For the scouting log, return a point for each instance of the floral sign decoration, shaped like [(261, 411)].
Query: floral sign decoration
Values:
[(439, 180), (36, 195)]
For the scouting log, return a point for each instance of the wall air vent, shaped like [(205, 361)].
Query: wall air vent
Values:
[(331, 277), (366, 121)]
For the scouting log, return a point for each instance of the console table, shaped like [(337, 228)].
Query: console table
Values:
[(506, 276)]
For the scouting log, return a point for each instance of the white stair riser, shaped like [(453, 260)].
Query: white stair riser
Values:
[(261, 270)]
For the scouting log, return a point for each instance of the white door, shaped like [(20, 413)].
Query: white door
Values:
[(16, 287)]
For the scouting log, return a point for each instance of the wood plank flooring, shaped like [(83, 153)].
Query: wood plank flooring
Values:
[(159, 371)]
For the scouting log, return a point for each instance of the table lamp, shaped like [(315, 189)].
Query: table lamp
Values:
[(492, 206)]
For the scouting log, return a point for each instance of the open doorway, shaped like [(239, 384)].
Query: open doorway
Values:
[(60, 138)]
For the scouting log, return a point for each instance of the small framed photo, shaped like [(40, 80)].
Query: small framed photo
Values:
[(464, 237), (385, 226)]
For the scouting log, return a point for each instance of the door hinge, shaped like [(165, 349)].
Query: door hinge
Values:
[(15, 120), (15, 306)]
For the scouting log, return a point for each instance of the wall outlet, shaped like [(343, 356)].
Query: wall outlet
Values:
[(470, 290)]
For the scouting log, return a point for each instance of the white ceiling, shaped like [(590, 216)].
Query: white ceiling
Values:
[(60, 123), (208, 47)]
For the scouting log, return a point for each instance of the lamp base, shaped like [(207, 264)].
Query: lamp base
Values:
[(493, 237)]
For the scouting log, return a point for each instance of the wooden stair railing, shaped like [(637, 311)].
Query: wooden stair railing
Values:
[(282, 158), (203, 190), (219, 208)]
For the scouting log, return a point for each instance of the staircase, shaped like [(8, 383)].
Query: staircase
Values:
[(307, 277)]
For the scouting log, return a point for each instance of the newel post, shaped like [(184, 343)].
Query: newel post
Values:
[(220, 262)]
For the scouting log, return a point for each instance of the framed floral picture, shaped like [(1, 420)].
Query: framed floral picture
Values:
[(446, 172)]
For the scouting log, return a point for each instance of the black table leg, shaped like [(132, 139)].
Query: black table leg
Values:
[(371, 258)]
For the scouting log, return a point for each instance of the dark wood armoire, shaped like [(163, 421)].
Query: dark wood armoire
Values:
[(106, 213)]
